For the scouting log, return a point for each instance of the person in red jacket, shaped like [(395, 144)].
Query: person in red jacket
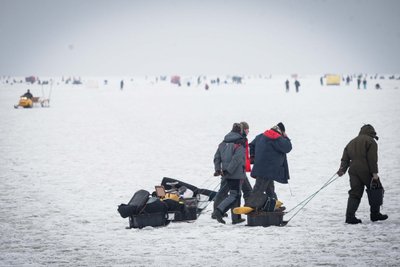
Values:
[(269, 151)]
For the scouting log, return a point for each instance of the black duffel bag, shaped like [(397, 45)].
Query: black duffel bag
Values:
[(135, 205)]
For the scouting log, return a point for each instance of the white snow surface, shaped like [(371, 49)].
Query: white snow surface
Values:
[(65, 169)]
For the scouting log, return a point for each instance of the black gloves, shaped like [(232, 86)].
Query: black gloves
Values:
[(251, 159), (340, 172), (282, 127), (219, 172)]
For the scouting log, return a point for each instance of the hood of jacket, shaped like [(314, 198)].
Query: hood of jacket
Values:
[(232, 137), (368, 130), (272, 134)]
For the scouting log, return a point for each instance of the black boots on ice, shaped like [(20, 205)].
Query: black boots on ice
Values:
[(352, 220), (378, 217), (239, 220), (352, 206), (218, 216)]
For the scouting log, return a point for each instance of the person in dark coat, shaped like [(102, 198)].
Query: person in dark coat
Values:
[(360, 156), (268, 152), (287, 86), (245, 184), (297, 85), (229, 162)]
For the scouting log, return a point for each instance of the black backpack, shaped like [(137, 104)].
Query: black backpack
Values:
[(135, 205)]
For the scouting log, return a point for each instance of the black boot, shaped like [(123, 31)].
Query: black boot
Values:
[(239, 220), (375, 211), (378, 217), (225, 205), (218, 215), (352, 206), (353, 220), (213, 216)]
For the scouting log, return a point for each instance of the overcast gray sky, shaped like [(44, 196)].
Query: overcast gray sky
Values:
[(68, 37)]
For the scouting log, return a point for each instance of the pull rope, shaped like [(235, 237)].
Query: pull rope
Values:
[(309, 198), (209, 201)]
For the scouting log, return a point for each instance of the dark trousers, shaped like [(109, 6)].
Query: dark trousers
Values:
[(233, 199), (357, 184), (263, 188), (224, 190)]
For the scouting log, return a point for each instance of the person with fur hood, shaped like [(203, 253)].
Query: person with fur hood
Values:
[(229, 162), (245, 183), (268, 153), (360, 157)]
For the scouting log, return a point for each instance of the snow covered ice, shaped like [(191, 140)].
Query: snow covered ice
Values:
[(65, 169)]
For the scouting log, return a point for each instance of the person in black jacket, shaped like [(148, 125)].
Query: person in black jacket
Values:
[(297, 85), (360, 157), (268, 152), (28, 94)]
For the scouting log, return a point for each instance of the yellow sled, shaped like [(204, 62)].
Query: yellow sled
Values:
[(246, 210), (24, 102)]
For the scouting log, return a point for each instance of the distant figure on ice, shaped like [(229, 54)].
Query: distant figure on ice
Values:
[(245, 186), (360, 156), (287, 85), (27, 94), (297, 85), (321, 80), (365, 83), (121, 85), (206, 86), (378, 86), (358, 82), (268, 152), (229, 162)]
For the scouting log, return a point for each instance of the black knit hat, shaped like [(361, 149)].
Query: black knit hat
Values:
[(281, 126)]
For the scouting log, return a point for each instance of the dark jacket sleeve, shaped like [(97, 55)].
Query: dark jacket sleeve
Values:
[(217, 160), (372, 156), (283, 145), (252, 148), (345, 161)]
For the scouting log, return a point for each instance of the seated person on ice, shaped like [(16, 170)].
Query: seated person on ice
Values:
[(27, 95)]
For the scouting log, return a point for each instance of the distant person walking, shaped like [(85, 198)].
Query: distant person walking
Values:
[(287, 86), (360, 156), (358, 82), (321, 81), (365, 83), (121, 85), (297, 85)]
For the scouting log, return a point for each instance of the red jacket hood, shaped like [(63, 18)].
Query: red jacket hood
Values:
[(272, 134)]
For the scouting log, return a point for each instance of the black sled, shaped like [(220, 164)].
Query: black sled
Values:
[(165, 204)]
